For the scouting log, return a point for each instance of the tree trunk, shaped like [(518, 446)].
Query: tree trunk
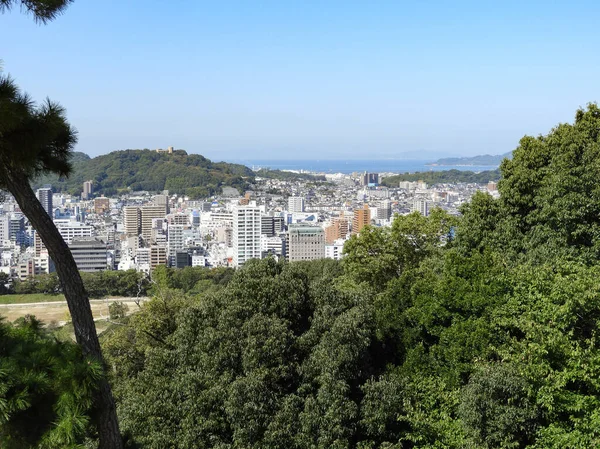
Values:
[(77, 300)]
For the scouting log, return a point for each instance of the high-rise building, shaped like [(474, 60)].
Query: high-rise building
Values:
[(295, 204), (162, 200), (89, 254), (246, 234), (147, 214), (44, 195), (17, 229), (88, 189), (304, 242), (362, 218), (131, 220), (421, 206), (384, 210), (367, 179), (176, 242), (338, 229), (4, 228)]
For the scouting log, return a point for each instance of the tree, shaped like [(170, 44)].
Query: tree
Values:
[(46, 388), (36, 140), (43, 10)]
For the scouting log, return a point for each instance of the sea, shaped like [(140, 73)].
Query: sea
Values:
[(356, 165)]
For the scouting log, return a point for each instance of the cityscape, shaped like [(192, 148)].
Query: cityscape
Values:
[(291, 220)]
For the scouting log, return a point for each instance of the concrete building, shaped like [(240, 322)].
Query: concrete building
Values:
[(176, 242), (305, 242), (158, 256), (421, 206), (89, 254), (101, 205), (147, 214), (88, 189), (338, 229), (74, 230), (334, 250), (246, 234), (362, 218), (272, 246), (45, 196), (384, 210), (369, 179), (17, 229), (4, 228), (295, 204), (162, 200), (131, 220)]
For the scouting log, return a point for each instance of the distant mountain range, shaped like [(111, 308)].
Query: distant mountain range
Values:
[(481, 160)]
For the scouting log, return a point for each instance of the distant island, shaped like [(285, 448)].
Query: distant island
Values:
[(481, 160)]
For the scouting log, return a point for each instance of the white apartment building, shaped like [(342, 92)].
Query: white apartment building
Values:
[(421, 206), (246, 234), (295, 204), (176, 241)]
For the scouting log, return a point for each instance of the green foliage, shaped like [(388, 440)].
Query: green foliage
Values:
[(190, 174), (128, 283), (46, 389), (34, 140), (438, 332), (117, 310), (444, 177)]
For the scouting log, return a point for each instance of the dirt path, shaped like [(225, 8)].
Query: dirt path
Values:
[(58, 311)]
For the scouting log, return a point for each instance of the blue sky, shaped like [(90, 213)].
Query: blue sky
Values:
[(310, 79)]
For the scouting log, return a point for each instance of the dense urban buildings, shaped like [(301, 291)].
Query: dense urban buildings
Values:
[(286, 219)]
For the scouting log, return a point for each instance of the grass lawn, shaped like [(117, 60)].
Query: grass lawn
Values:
[(26, 299)]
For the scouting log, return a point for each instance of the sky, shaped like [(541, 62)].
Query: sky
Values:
[(326, 79)]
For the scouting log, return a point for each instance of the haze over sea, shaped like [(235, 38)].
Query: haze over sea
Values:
[(356, 165)]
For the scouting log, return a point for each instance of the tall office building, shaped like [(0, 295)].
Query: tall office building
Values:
[(362, 218), (295, 204), (88, 189), (305, 242), (45, 196), (16, 229), (131, 220), (246, 234)]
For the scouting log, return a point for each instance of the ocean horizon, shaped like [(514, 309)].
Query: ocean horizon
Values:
[(356, 165)]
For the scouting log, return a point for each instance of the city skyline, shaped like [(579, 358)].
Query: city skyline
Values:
[(335, 80)]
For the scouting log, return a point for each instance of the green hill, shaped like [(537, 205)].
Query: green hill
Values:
[(486, 159), (445, 176), (190, 174)]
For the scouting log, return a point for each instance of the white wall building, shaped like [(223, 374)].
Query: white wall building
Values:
[(246, 234)]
